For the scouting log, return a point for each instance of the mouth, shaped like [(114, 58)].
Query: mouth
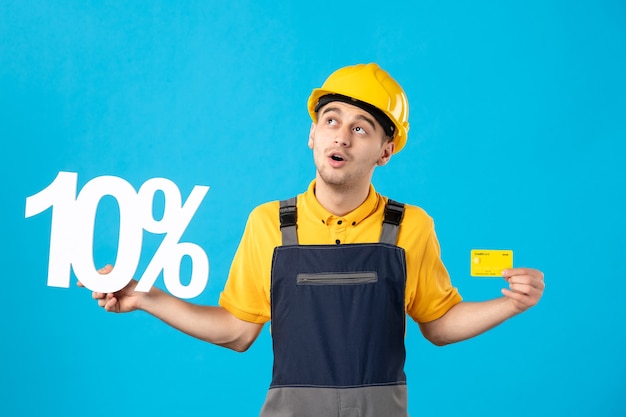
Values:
[(337, 158)]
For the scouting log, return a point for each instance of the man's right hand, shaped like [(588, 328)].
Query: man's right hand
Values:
[(122, 301)]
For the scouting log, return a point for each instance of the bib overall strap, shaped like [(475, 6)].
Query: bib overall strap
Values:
[(288, 217), (394, 212)]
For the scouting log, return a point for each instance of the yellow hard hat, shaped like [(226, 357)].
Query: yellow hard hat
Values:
[(371, 88)]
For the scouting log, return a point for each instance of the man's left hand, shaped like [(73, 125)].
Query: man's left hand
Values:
[(526, 287)]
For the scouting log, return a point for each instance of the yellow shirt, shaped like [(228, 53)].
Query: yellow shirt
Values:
[(429, 293)]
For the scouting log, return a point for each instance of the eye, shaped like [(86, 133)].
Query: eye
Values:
[(360, 131), (330, 121)]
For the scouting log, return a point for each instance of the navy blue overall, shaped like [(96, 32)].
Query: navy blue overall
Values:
[(338, 324)]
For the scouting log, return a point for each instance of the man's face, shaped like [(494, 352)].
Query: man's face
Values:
[(347, 143)]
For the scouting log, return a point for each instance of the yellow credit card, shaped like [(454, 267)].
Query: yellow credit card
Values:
[(489, 262)]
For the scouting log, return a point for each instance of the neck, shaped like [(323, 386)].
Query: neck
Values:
[(340, 200)]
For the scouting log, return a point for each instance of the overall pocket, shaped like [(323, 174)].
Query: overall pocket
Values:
[(341, 278)]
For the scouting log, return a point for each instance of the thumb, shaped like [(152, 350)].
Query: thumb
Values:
[(106, 269)]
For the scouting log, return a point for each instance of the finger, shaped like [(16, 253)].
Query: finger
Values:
[(523, 301), (98, 295), (519, 297), (102, 298), (521, 288), (508, 273), (529, 280), (111, 305), (106, 269), (108, 299)]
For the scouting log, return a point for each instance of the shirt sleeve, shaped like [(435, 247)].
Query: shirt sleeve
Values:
[(429, 291), (246, 294)]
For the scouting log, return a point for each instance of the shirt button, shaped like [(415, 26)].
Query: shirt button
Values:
[(339, 222), (337, 241)]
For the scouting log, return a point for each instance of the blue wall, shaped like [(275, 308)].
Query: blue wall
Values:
[(518, 125)]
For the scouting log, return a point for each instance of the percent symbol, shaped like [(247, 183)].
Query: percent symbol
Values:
[(173, 223)]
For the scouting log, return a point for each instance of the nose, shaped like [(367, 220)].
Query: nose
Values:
[(342, 137)]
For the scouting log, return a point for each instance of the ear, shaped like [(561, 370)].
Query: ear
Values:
[(312, 135), (386, 152)]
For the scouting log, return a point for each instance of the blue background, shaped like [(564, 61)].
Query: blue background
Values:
[(518, 123)]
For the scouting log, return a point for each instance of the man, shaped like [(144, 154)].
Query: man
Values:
[(338, 268)]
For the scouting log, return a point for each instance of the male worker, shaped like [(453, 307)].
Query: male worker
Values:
[(337, 269)]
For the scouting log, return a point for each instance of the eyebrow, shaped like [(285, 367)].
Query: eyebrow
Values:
[(359, 116)]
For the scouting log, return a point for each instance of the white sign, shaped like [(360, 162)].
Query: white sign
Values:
[(72, 233)]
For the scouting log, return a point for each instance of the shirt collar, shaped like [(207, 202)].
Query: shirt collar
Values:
[(312, 206)]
